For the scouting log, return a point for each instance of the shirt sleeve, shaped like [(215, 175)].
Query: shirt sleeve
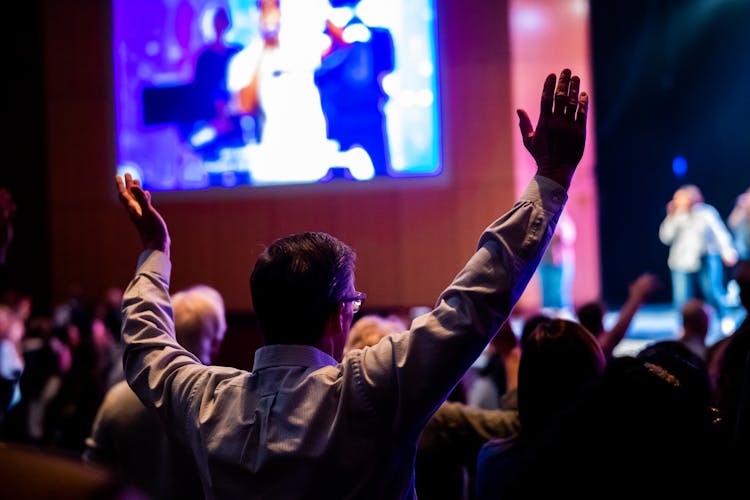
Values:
[(410, 374), (164, 376), (457, 431)]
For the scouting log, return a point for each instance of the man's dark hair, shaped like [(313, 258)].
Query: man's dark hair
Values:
[(297, 282)]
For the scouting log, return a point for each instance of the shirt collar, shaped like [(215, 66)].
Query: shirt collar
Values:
[(271, 356)]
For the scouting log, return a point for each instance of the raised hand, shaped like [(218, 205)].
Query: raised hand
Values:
[(644, 285), (147, 221), (557, 143)]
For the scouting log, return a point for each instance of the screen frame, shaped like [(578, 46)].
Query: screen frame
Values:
[(408, 182)]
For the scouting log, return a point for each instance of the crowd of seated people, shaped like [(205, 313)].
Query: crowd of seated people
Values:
[(66, 364), (344, 404)]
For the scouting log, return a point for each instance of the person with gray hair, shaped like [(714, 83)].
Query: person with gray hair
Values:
[(200, 321), (126, 436)]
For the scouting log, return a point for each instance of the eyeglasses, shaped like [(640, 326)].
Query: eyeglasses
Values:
[(356, 301)]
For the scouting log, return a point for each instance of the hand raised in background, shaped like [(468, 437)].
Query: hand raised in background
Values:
[(643, 286), (557, 143), (147, 221)]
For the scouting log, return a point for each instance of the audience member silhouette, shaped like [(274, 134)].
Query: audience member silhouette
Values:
[(651, 422), (686, 365), (633, 417), (485, 383), (46, 359), (696, 319), (12, 330), (10, 369), (732, 364), (71, 412), (306, 422), (591, 314), (452, 438), (128, 438), (560, 363), (369, 329)]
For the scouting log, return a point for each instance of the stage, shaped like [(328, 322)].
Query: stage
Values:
[(655, 322)]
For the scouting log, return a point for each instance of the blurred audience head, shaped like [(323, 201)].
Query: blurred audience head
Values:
[(695, 319), (200, 322), (369, 329), (530, 325), (688, 369), (591, 316), (561, 360)]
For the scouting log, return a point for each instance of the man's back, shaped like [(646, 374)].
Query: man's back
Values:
[(302, 425), (301, 420)]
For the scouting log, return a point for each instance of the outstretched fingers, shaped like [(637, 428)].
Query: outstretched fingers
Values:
[(572, 104), (527, 130), (583, 109), (142, 196), (148, 222), (561, 93), (126, 196), (548, 93)]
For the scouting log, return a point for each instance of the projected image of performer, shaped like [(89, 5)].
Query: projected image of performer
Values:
[(350, 80), (275, 75), (222, 129), (203, 109)]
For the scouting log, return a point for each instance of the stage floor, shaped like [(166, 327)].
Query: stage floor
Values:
[(655, 322)]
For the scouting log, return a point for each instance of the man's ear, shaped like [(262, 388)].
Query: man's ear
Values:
[(333, 332), (341, 318), (336, 321)]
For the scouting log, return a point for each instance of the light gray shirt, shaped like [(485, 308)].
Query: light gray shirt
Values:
[(691, 235), (301, 424)]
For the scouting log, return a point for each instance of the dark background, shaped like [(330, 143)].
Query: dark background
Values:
[(23, 169)]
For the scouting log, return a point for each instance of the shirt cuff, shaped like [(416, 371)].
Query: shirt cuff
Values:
[(552, 194)]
